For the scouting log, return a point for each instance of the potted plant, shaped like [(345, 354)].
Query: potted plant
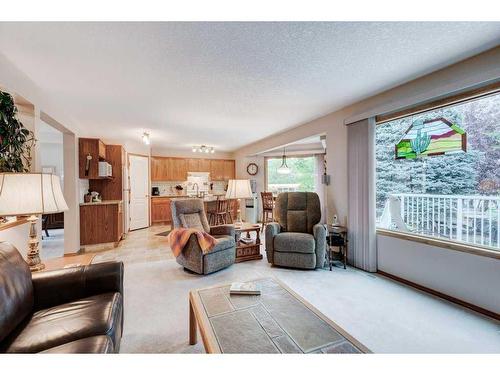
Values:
[(179, 189), (16, 142)]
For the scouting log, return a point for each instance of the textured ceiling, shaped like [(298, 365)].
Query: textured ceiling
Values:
[(225, 84)]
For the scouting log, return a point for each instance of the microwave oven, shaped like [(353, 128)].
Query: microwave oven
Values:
[(105, 169)]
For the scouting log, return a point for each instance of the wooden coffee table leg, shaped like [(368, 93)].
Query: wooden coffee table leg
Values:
[(192, 325)]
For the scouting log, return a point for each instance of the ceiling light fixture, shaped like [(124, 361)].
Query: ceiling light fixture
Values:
[(203, 149), (283, 168), (145, 138)]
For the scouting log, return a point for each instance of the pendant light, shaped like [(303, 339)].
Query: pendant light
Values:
[(283, 168)]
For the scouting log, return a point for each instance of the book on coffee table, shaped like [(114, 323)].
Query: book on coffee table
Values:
[(245, 288)]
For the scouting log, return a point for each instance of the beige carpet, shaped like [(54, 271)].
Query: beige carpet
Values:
[(385, 316)]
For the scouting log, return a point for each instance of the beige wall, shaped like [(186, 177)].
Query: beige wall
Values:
[(468, 73)]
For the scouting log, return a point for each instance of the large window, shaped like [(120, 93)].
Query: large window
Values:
[(438, 173), (302, 176)]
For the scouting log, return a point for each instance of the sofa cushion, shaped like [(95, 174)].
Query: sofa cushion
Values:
[(59, 325), (192, 221), (223, 242), (16, 289), (292, 242), (88, 345)]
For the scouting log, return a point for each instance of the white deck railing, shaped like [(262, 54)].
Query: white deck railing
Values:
[(470, 219)]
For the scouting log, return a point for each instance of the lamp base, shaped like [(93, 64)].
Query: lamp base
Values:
[(33, 258)]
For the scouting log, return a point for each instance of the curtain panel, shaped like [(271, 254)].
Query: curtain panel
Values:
[(361, 194)]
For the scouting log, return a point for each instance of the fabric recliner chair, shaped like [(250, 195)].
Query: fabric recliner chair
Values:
[(296, 240), (190, 213), (72, 310)]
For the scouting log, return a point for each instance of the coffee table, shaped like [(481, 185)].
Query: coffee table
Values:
[(277, 321)]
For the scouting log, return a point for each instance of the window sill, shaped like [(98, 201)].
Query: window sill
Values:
[(450, 245)]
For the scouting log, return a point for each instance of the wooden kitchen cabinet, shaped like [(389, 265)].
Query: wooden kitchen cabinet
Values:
[(193, 165), (179, 169), (160, 210), (95, 149), (216, 170), (111, 189), (102, 150), (204, 165), (229, 169), (101, 223), (176, 169)]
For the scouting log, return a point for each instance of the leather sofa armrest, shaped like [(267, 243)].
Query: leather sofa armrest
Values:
[(52, 288), (320, 233), (272, 229), (227, 230)]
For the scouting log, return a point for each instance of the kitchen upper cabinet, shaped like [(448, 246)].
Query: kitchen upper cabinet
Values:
[(229, 169), (204, 165), (90, 151), (175, 169), (193, 165), (216, 170), (178, 169)]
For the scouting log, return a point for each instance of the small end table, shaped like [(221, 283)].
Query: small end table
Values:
[(337, 237), (248, 250)]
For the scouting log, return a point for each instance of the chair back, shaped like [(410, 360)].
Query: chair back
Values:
[(183, 207), (267, 200), (297, 211), (222, 205), (16, 289)]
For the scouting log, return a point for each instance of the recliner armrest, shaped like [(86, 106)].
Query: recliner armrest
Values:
[(227, 230), (320, 232), (52, 288), (272, 229)]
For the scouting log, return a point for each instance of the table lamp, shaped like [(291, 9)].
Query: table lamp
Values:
[(31, 194), (239, 189)]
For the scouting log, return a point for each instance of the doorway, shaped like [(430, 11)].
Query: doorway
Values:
[(139, 191), (51, 157)]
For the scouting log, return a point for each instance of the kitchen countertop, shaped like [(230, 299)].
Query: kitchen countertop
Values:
[(101, 203), (211, 198)]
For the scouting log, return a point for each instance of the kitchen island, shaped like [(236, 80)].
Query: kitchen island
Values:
[(161, 212), (101, 222)]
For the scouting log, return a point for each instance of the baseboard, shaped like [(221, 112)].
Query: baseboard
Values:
[(457, 301)]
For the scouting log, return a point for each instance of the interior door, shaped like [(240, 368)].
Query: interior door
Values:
[(139, 191)]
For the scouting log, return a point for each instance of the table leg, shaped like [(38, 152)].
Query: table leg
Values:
[(192, 326)]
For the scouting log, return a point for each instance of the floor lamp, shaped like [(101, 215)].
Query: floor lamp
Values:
[(239, 189), (31, 194)]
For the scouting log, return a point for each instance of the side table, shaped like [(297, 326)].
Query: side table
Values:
[(337, 238), (248, 250)]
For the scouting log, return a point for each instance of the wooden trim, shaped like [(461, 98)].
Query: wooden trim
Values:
[(450, 245), (13, 223), (453, 99), (457, 301)]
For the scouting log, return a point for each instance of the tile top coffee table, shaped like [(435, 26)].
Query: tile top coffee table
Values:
[(277, 321)]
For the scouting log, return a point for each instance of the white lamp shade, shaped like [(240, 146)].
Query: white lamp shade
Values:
[(30, 194), (239, 189)]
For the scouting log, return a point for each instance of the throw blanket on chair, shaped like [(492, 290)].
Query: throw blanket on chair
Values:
[(178, 238)]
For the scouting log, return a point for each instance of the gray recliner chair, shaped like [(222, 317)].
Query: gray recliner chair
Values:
[(190, 213), (296, 240)]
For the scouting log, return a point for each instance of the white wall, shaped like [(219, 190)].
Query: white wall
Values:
[(51, 155), (15, 81), (468, 277), (468, 73)]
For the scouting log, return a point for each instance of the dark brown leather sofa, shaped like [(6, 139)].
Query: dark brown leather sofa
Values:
[(74, 310)]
